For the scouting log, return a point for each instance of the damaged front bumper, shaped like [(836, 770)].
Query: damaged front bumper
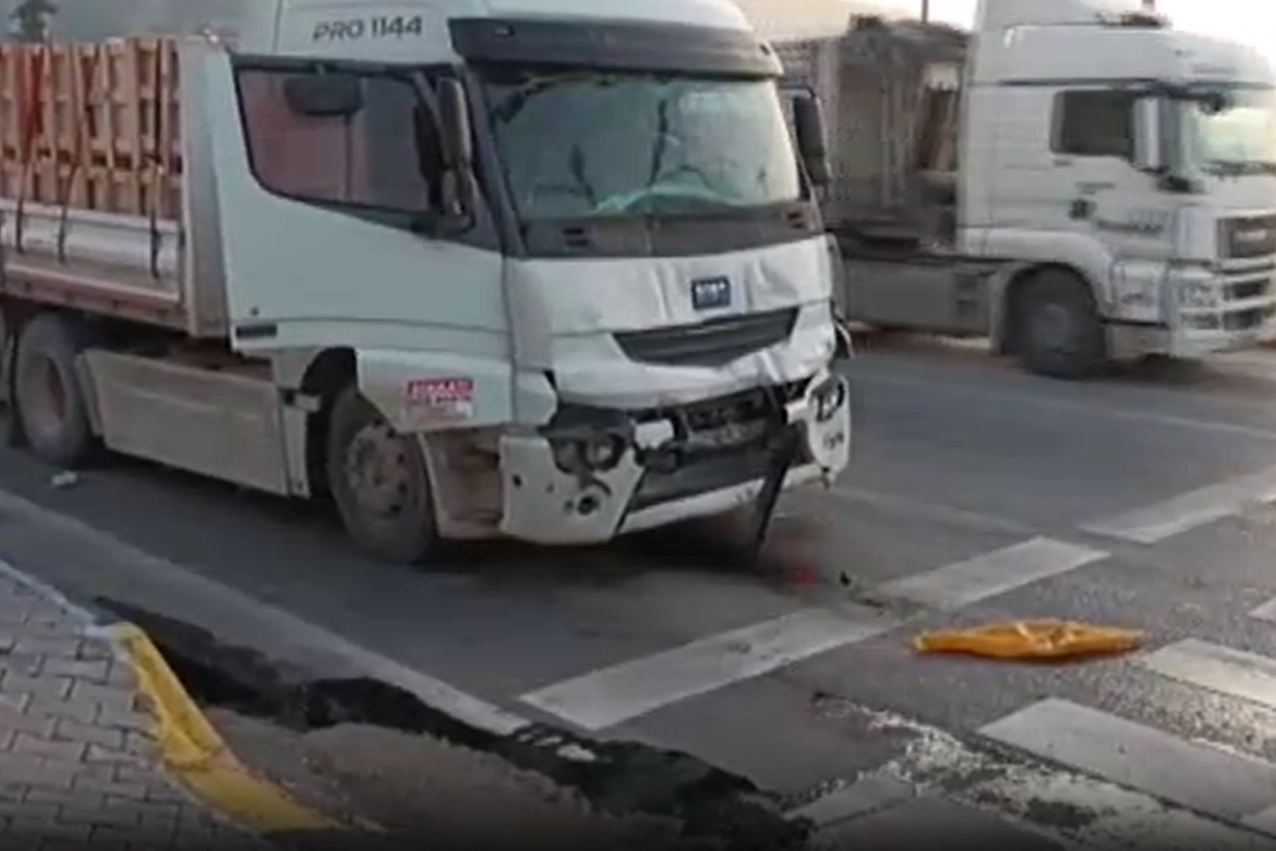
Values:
[(594, 474)]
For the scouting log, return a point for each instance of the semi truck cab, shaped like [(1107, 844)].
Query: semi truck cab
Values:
[(1138, 159), (1074, 180), (570, 259)]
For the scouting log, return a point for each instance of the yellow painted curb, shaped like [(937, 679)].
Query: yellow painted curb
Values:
[(194, 752)]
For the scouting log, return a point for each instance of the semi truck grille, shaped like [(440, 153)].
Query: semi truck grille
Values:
[(1247, 236), (1243, 290), (713, 343), (1244, 320)]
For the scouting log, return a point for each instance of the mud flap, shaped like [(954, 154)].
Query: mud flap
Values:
[(783, 449)]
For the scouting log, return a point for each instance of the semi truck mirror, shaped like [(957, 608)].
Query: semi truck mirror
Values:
[(455, 114), (446, 152), (1147, 135), (324, 95), (808, 126)]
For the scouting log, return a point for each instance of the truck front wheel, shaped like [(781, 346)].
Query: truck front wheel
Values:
[(1059, 330), (380, 483), (47, 395)]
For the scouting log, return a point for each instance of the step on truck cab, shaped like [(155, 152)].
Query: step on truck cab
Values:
[(1074, 179), (531, 268)]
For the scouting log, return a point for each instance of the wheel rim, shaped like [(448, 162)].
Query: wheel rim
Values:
[(1053, 327), (377, 472), (45, 400)]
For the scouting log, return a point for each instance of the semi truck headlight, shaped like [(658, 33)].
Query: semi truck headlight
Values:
[(1200, 294), (598, 453)]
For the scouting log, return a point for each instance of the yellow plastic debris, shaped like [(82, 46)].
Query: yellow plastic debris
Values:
[(1034, 639)]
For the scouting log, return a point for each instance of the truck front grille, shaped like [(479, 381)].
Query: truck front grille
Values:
[(706, 472), (713, 343), (1244, 320), (1247, 289)]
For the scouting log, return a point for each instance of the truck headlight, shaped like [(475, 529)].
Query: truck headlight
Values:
[(593, 454), (1198, 294)]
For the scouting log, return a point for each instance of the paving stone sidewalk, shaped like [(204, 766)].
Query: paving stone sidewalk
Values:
[(77, 763)]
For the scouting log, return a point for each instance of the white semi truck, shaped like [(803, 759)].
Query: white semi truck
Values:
[(1074, 179), (530, 268)]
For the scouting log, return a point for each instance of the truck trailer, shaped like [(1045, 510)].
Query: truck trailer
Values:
[(1074, 180), (471, 268)]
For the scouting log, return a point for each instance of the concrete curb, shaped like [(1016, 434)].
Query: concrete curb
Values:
[(188, 746)]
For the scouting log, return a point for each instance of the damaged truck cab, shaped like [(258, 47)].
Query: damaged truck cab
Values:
[(484, 268)]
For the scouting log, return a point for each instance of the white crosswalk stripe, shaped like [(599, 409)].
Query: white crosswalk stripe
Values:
[(990, 574), (1077, 742), (1131, 784), (1103, 811), (1153, 523), (1230, 672), (613, 695), (1228, 786)]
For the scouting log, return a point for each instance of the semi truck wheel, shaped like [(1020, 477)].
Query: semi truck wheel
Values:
[(380, 483), (1060, 332), (47, 394)]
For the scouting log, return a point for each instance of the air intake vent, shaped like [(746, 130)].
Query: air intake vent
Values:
[(713, 343)]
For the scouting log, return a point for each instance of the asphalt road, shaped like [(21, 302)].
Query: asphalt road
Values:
[(977, 494)]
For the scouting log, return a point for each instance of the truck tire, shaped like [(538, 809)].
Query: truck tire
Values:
[(379, 482), (1059, 329), (48, 396)]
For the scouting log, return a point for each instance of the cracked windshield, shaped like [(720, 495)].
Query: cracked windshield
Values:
[(712, 425), (578, 145)]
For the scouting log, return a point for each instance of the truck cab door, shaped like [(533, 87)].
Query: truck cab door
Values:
[(325, 222), (1071, 184), (1106, 160)]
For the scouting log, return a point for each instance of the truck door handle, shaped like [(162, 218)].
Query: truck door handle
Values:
[(1081, 209)]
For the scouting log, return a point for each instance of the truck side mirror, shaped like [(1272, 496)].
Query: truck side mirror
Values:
[(454, 112), (1147, 136), (456, 156), (808, 126)]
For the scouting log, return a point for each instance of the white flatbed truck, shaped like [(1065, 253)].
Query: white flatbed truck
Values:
[(471, 268), (1074, 180)]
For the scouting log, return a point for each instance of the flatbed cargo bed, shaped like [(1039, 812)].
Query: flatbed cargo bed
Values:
[(92, 180)]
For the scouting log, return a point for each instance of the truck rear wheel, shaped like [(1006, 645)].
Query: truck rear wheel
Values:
[(47, 394), (1059, 330), (380, 483)]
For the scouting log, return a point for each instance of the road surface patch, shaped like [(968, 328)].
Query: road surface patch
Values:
[(193, 751), (1153, 523)]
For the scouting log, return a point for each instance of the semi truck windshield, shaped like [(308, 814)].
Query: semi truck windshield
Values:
[(592, 144), (1235, 133)]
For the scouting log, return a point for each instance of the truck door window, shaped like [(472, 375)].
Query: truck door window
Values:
[(367, 160), (1094, 124)]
